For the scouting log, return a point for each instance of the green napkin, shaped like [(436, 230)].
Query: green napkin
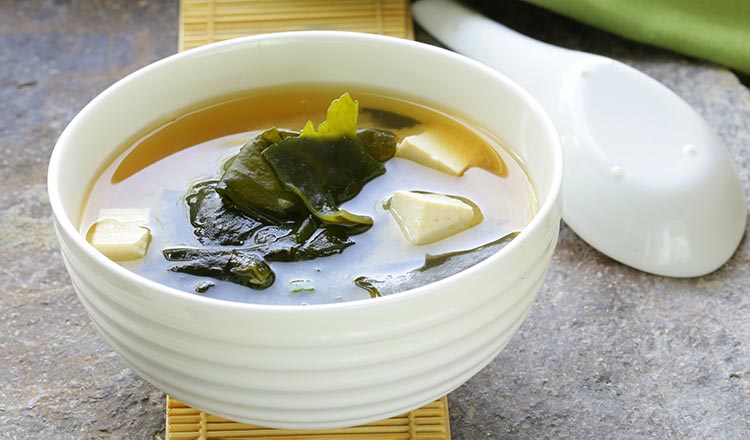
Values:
[(716, 30)]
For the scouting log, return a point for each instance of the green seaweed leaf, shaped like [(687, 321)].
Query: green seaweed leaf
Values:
[(435, 267), (324, 173), (341, 120), (330, 165), (246, 268), (252, 186), (278, 199), (215, 221), (389, 119), (379, 144)]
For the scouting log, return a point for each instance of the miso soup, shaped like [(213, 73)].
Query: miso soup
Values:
[(331, 235)]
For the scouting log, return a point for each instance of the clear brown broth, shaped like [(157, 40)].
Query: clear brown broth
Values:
[(157, 167)]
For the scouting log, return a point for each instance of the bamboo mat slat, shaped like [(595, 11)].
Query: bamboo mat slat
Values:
[(208, 21), (429, 422)]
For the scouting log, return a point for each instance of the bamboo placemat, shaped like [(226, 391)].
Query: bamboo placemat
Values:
[(429, 422), (207, 21)]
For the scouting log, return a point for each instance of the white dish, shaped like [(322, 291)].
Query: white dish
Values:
[(320, 366), (647, 182)]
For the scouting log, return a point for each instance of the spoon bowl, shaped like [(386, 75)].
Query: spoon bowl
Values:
[(647, 182)]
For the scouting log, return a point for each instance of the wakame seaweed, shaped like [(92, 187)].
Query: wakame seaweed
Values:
[(248, 266), (390, 119), (278, 199), (435, 267), (324, 173), (379, 144), (251, 184), (327, 165), (236, 265), (215, 221)]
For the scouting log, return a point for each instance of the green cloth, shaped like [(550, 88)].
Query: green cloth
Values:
[(716, 30)]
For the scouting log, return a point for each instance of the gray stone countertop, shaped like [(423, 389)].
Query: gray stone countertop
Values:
[(607, 351)]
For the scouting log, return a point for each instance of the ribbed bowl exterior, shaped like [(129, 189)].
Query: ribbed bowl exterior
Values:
[(323, 366)]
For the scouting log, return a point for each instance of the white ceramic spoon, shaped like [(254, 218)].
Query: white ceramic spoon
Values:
[(646, 180)]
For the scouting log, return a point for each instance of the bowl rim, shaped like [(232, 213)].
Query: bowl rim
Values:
[(67, 228)]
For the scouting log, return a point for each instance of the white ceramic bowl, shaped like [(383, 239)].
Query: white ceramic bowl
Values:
[(319, 366)]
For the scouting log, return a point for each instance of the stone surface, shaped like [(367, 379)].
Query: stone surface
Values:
[(607, 352)]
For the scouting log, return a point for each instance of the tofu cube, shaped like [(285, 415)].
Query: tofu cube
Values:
[(431, 151), (427, 218), (121, 234)]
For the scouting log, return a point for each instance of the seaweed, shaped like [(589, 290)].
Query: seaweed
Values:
[(435, 267), (203, 286), (238, 266), (390, 119), (341, 120), (324, 173), (248, 266), (379, 144), (278, 199), (326, 166), (213, 220), (251, 184)]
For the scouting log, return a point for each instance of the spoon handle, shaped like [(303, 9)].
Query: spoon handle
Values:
[(539, 67)]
